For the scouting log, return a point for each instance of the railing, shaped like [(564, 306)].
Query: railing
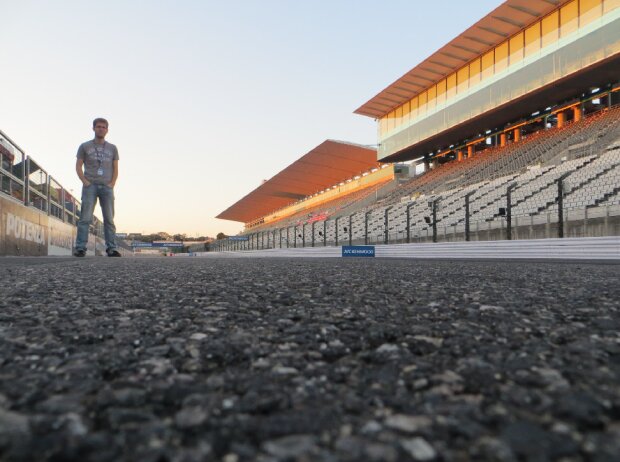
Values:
[(597, 219), (25, 181)]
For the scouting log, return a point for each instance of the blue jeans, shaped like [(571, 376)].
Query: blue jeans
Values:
[(90, 194)]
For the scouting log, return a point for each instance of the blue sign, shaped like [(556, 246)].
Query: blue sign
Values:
[(141, 244), (156, 244), (358, 250), (237, 238)]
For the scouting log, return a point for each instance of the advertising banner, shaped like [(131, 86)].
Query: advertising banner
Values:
[(61, 238), (358, 250), (167, 244), (23, 230), (142, 244), (156, 244)]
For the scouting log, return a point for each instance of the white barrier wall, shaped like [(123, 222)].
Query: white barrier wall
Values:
[(587, 248)]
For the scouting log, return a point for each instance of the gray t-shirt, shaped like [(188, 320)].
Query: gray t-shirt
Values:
[(98, 161)]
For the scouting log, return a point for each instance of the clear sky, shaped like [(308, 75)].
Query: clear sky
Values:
[(205, 99)]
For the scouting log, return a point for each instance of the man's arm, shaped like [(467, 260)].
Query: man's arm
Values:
[(114, 174), (80, 172)]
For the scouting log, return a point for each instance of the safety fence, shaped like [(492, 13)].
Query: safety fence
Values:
[(600, 221), (38, 216)]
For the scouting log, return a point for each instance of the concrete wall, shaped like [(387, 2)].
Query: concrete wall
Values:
[(25, 231)]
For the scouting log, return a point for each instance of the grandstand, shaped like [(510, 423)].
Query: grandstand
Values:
[(330, 178), (523, 104)]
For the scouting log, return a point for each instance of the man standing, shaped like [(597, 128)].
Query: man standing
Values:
[(99, 161)]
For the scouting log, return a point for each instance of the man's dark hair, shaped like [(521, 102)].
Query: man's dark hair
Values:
[(100, 120)]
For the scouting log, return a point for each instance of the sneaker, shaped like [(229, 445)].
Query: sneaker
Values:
[(113, 253), (79, 253)]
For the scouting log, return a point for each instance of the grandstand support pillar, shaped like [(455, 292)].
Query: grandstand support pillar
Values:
[(561, 119), (386, 224), (287, 237), (470, 151), (280, 233), (434, 206), (313, 226), (502, 139), (516, 135), (576, 113), (262, 240), (366, 216), (409, 217), (274, 239), (303, 235), (351, 229), (561, 204), (459, 155), (467, 196), (337, 218), (509, 210), (295, 236)]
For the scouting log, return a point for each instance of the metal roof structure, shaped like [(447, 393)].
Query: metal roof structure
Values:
[(500, 24), (324, 166)]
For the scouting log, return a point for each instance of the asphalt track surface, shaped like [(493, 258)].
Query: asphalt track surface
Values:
[(171, 359)]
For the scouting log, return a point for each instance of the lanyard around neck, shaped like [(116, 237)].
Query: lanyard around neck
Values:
[(99, 152)]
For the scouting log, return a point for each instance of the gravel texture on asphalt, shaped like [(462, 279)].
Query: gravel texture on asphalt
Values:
[(171, 359)]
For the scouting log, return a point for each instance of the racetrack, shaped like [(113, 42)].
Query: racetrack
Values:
[(186, 359)]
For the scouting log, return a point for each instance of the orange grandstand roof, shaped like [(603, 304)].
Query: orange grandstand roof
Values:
[(326, 165), (501, 23)]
